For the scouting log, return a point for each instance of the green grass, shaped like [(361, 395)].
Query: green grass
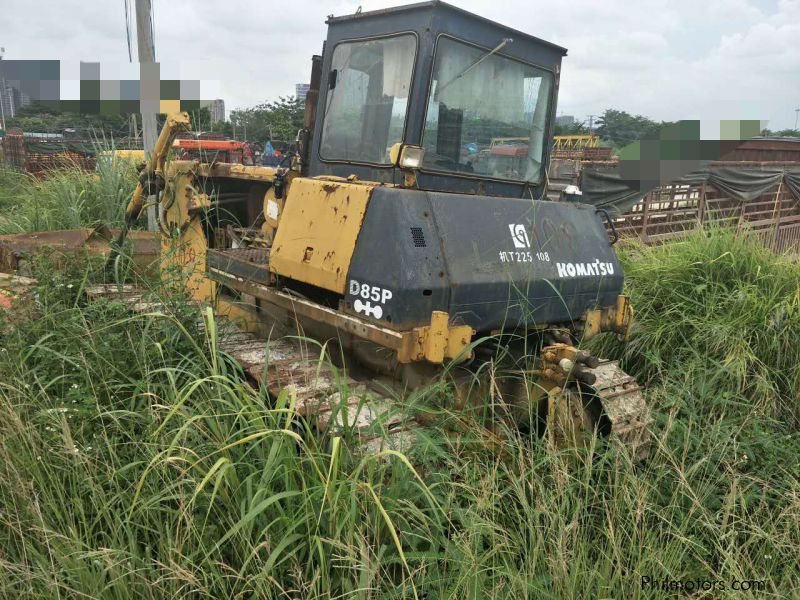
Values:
[(66, 199), (136, 463), (721, 314)]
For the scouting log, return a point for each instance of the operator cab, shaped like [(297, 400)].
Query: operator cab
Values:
[(479, 98)]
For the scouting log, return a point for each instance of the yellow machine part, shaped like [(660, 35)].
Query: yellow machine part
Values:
[(183, 242), (575, 142), (318, 229)]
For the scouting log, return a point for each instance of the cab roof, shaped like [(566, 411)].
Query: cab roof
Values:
[(437, 8)]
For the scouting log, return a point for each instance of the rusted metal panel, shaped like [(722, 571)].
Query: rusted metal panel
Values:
[(320, 224), (765, 150), (17, 249), (251, 264)]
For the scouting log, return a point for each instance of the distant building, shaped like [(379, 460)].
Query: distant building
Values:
[(11, 99), (217, 111), (300, 91), (565, 120), (6, 104)]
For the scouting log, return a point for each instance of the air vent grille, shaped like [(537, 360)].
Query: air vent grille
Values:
[(418, 237)]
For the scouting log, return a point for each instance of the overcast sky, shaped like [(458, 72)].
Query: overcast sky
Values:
[(667, 59)]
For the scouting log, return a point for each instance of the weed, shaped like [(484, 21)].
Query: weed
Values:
[(136, 462), (67, 198)]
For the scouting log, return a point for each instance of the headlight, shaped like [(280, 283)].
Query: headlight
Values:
[(411, 157)]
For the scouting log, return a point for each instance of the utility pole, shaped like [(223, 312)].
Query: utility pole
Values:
[(147, 55), (796, 114), (2, 91)]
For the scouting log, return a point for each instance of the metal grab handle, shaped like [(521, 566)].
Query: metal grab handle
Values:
[(610, 222)]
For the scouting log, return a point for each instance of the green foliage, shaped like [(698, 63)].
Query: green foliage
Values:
[(576, 128), (279, 120), (67, 198), (621, 128), (13, 183), (135, 462), (781, 133), (720, 311), (224, 127), (43, 119)]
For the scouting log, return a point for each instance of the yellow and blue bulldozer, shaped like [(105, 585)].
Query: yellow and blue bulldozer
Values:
[(398, 231)]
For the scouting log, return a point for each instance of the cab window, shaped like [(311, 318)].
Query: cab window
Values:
[(367, 100), (487, 114)]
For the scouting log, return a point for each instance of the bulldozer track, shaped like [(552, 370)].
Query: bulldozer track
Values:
[(624, 405), (334, 401), (331, 400)]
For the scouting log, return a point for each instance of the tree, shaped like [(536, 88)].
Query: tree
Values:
[(279, 120), (37, 118), (201, 119), (781, 133), (223, 127), (621, 128), (575, 128)]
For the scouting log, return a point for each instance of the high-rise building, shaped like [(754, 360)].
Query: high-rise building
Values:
[(6, 103), (300, 91), (217, 111), (12, 98)]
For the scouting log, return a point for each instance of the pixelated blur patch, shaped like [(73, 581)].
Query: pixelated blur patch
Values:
[(82, 88)]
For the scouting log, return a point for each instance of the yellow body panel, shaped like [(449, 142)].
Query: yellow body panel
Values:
[(318, 230)]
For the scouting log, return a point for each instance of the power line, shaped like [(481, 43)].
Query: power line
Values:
[(2, 90), (153, 27), (128, 28)]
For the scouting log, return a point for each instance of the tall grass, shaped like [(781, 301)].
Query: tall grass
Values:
[(135, 462), (67, 198), (720, 313)]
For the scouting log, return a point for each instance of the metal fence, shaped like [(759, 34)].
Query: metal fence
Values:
[(671, 211), (39, 153), (18, 152)]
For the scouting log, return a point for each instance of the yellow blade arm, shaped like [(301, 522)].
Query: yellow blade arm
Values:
[(151, 179)]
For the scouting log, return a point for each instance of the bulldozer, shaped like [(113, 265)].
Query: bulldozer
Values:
[(386, 231)]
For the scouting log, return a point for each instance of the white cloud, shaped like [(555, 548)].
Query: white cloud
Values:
[(668, 59)]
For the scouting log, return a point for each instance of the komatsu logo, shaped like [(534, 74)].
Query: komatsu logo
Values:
[(596, 268), (519, 236)]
